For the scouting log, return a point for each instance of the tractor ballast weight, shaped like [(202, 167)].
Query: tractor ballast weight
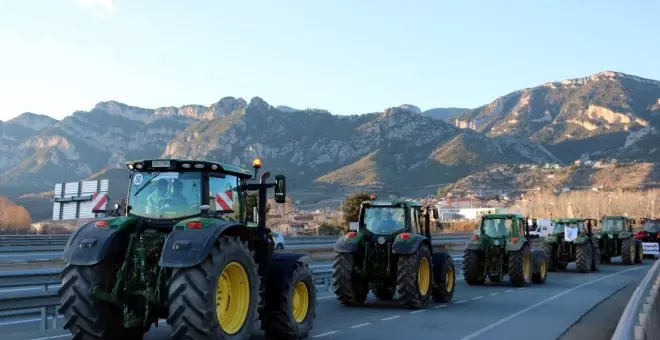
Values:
[(191, 246), (501, 245), (395, 259), (573, 240), (616, 238)]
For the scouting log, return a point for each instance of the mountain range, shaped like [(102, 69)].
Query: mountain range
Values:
[(400, 150)]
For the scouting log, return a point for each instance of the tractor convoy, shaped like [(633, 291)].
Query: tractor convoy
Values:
[(189, 244)]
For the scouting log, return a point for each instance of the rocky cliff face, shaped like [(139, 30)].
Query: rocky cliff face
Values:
[(401, 147)]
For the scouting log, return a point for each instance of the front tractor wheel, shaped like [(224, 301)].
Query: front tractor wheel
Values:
[(639, 253), (290, 308), (540, 262), (550, 251), (520, 266), (473, 267), (595, 259), (349, 288), (85, 318), (218, 298), (413, 279), (444, 278)]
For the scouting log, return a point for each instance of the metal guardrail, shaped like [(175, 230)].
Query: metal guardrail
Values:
[(640, 319)]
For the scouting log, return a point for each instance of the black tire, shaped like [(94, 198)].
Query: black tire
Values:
[(595, 259), (348, 287), (628, 251), (444, 278), (540, 266), (192, 293), (583, 255), (639, 254), (409, 284), (85, 318), (473, 267), (550, 251), (520, 266), (285, 290), (384, 293)]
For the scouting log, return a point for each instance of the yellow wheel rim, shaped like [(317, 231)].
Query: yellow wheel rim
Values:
[(424, 276), (300, 303), (527, 265), (232, 298), (449, 279), (544, 268)]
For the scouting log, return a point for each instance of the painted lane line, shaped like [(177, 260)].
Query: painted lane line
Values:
[(418, 311), (324, 297), (477, 298), (493, 294), (462, 301), (324, 334), (361, 325), (390, 318), (53, 337), (508, 291), (440, 306), (541, 303)]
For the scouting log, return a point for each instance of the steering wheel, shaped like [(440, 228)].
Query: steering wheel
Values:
[(165, 203)]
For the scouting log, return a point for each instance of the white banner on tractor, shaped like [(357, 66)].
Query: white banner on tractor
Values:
[(651, 248), (570, 234)]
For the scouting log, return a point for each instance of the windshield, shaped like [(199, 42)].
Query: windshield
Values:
[(165, 195), (612, 225), (497, 227), (384, 220), (652, 226)]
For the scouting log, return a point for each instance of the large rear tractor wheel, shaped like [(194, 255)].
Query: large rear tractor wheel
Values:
[(444, 278), (540, 262), (290, 308), (349, 288), (628, 250), (473, 267), (85, 318), (520, 266), (550, 251), (583, 257), (218, 298), (595, 259), (414, 278), (639, 253)]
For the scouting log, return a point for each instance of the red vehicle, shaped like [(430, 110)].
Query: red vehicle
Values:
[(650, 236)]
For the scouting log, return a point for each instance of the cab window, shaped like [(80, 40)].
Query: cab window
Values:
[(223, 196)]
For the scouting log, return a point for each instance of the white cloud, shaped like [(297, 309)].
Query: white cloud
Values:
[(105, 5)]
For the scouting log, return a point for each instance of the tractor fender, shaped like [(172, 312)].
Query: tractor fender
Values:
[(89, 244), (624, 235), (473, 246), (550, 239), (515, 246), (185, 247), (409, 246), (348, 245), (581, 240)]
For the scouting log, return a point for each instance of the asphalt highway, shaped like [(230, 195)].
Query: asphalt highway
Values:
[(489, 312)]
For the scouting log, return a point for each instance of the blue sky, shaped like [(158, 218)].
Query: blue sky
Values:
[(58, 56)]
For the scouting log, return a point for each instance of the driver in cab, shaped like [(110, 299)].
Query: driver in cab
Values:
[(162, 199), (385, 224)]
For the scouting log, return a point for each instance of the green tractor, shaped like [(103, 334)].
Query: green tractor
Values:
[(616, 238), (502, 245), (572, 240), (186, 251), (391, 252)]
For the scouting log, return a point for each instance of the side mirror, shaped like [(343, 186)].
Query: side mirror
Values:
[(280, 189)]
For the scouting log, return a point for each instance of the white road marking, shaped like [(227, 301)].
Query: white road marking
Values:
[(508, 291), (493, 294), (462, 301), (361, 325), (477, 298), (440, 306), (53, 337), (390, 318), (25, 321), (418, 311), (325, 297), (324, 334), (503, 320)]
